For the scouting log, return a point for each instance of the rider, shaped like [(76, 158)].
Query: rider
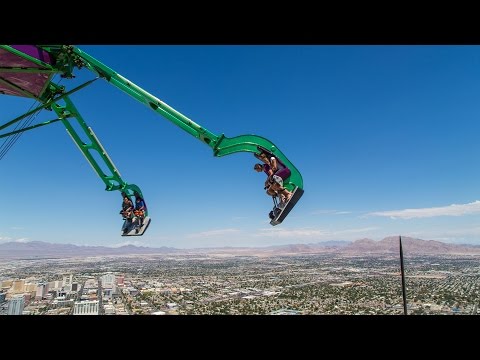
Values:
[(276, 172), (127, 207), (126, 212), (139, 211)]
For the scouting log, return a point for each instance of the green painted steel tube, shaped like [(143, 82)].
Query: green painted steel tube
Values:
[(220, 144)]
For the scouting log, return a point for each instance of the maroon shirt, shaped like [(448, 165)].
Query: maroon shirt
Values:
[(283, 171)]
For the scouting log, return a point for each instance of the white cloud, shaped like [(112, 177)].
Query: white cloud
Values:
[(125, 243), (450, 210), (211, 233), (5, 239)]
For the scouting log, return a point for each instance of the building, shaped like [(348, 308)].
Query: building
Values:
[(120, 280), (30, 287), (172, 305), (86, 308), (67, 282), (7, 284), (42, 290), (55, 285), (108, 280), (18, 286), (109, 309), (107, 293), (2, 297), (90, 283), (16, 305), (62, 302)]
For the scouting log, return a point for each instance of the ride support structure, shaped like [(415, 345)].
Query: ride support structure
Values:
[(27, 71)]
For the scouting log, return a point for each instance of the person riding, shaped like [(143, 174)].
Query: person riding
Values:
[(139, 211), (127, 208), (126, 212), (276, 172)]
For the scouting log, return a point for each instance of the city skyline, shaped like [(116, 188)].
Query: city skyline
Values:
[(228, 284)]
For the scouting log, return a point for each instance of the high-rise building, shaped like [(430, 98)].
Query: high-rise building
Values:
[(67, 280), (42, 290), (16, 305), (2, 297)]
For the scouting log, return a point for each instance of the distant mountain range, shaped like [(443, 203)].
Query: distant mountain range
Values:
[(410, 246), (40, 250)]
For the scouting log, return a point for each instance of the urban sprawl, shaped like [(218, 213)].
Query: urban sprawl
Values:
[(314, 284)]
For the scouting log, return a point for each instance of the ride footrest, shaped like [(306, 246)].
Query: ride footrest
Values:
[(129, 228), (277, 215)]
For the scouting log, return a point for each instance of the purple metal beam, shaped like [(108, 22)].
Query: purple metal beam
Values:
[(33, 83)]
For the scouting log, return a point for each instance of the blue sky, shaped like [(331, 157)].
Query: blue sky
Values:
[(385, 137)]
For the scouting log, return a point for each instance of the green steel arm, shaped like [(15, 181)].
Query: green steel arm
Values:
[(50, 98), (112, 178), (69, 56)]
